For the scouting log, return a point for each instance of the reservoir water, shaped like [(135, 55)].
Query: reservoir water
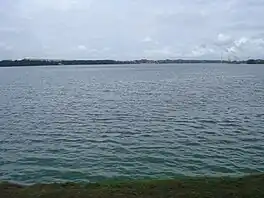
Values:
[(91, 123)]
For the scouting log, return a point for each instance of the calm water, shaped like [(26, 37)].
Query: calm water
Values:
[(89, 123)]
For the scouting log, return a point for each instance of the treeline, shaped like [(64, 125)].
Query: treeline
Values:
[(26, 62), (33, 62), (255, 61), (41, 62)]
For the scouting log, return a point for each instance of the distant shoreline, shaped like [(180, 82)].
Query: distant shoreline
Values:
[(47, 62)]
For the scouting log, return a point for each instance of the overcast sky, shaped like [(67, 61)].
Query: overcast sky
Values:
[(131, 29)]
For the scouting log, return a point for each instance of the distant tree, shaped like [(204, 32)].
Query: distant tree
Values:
[(255, 61), (251, 61)]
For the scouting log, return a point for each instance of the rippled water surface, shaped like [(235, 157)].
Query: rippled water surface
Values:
[(88, 123)]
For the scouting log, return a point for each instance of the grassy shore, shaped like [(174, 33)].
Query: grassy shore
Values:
[(246, 187)]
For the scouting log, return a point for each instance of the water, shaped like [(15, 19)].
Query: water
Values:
[(90, 123)]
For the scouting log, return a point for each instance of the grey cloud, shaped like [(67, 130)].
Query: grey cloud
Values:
[(130, 29)]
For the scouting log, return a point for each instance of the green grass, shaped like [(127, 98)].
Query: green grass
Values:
[(246, 187)]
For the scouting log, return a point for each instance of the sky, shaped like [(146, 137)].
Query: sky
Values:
[(131, 29)]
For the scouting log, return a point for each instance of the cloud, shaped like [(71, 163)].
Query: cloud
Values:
[(81, 47), (163, 52), (9, 29), (5, 47), (147, 39), (131, 29), (201, 51), (247, 47), (223, 39)]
